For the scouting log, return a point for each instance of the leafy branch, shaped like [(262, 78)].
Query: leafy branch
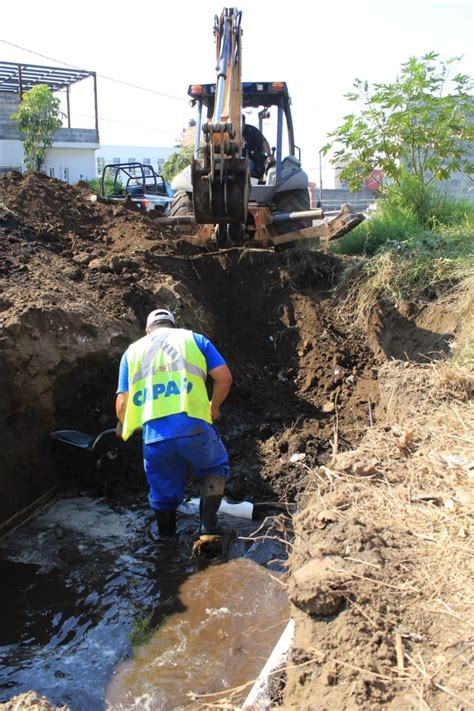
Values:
[(418, 128)]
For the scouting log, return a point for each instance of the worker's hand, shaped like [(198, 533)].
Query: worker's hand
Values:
[(215, 412), (270, 161), (119, 430)]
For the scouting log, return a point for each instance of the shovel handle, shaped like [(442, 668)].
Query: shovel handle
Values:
[(102, 434)]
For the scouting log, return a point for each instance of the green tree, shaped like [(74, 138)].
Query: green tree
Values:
[(418, 130), (176, 162), (38, 117)]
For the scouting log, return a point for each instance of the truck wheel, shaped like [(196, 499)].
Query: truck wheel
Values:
[(291, 201), (182, 205)]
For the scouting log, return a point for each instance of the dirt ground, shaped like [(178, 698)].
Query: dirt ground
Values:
[(349, 423), (381, 570)]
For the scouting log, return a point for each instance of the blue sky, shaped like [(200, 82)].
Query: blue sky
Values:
[(317, 48)]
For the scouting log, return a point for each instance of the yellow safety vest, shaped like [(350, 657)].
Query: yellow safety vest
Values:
[(166, 375)]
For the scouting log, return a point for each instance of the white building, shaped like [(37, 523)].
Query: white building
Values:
[(72, 155), (111, 155)]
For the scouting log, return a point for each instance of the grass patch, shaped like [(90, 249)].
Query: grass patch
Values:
[(402, 260), (450, 229), (387, 226), (110, 188), (404, 277), (142, 631), (416, 273)]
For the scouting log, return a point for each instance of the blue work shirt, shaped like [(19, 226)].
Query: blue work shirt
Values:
[(179, 425)]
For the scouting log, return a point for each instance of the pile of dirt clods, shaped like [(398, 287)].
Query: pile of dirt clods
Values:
[(77, 279)]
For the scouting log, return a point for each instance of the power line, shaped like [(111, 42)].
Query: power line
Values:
[(131, 125), (102, 76)]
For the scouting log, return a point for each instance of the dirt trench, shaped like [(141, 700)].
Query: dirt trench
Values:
[(77, 279)]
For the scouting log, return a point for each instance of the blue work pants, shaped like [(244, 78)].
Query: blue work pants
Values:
[(168, 462)]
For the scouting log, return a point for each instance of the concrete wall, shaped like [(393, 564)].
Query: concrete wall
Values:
[(71, 157), (459, 187), (9, 132), (8, 128), (69, 164), (11, 154), (334, 198), (8, 104)]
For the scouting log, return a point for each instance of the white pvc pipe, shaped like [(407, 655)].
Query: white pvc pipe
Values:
[(244, 509), (258, 697)]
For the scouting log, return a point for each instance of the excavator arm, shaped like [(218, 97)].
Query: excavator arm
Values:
[(220, 174), (221, 206)]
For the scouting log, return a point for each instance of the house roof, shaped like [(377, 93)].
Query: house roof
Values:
[(16, 78)]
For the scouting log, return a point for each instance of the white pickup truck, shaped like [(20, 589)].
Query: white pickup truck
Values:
[(136, 182)]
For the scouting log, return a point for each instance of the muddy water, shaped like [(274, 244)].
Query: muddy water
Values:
[(233, 613), (97, 616)]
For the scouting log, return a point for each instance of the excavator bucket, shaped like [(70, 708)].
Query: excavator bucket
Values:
[(222, 198), (220, 174)]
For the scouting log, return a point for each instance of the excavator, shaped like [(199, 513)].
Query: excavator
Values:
[(231, 195)]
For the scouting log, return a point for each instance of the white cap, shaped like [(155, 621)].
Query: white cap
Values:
[(159, 315)]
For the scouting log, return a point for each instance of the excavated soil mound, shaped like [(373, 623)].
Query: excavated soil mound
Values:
[(56, 212)]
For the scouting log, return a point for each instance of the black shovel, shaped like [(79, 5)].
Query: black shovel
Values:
[(80, 439)]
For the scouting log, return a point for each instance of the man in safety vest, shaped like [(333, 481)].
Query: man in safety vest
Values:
[(162, 390)]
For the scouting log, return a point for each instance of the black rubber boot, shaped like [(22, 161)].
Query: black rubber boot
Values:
[(208, 508), (211, 497), (166, 521)]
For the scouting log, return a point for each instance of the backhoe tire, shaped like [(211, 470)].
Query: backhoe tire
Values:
[(181, 205), (291, 201)]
